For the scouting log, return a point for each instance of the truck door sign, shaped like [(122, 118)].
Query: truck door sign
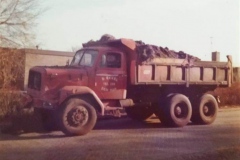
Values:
[(107, 82), (110, 78)]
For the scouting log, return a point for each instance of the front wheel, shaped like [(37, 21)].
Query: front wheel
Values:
[(139, 113), (76, 117), (206, 110)]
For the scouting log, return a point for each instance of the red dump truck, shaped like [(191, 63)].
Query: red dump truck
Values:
[(105, 78)]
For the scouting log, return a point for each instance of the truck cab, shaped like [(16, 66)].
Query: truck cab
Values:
[(106, 71)]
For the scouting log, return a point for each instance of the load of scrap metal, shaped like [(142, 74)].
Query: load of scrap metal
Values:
[(147, 51)]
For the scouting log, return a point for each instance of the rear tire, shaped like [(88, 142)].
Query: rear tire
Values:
[(206, 110), (139, 113), (76, 117), (177, 112)]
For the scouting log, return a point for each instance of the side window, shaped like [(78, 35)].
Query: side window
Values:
[(111, 60)]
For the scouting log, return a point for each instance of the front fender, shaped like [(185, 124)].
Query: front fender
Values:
[(69, 91)]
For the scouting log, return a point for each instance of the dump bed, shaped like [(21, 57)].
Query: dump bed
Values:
[(168, 71)]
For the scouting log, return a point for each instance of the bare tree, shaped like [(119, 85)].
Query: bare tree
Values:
[(17, 20)]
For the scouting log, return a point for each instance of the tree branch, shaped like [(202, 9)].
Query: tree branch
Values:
[(17, 18)]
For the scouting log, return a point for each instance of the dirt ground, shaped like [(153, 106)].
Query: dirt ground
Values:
[(122, 139)]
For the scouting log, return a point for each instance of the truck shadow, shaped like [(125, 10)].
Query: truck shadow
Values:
[(127, 123), (15, 127), (32, 136), (9, 132), (31, 131)]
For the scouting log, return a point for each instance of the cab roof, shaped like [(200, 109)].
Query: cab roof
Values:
[(117, 43)]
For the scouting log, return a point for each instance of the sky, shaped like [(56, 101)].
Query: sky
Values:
[(196, 27)]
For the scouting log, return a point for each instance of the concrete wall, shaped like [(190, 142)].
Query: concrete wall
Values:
[(35, 57)]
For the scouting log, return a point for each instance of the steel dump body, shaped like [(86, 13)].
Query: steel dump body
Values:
[(165, 71)]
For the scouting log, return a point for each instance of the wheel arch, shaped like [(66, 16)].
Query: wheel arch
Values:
[(81, 92)]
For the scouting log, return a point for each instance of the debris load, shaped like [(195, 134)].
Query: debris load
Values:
[(148, 52)]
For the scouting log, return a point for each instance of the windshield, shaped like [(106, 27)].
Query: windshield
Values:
[(84, 58)]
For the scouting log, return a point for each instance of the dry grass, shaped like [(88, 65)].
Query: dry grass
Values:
[(14, 119), (10, 103), (229, 96), (12, 63)]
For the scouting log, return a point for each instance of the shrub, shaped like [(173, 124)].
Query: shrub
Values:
[(229, 96), (12, 63), (15, 119), (10, 102)]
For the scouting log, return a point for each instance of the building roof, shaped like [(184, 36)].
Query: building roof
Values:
[(48, 52)]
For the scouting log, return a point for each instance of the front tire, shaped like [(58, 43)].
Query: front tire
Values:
[(206, 110), (76, 117)]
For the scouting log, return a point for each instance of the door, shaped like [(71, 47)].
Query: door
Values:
[(111, 76)]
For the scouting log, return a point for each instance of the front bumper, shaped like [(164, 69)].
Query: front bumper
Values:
[(28, 101), (39, 103)]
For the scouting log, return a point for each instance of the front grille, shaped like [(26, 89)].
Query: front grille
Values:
[(34, 80)]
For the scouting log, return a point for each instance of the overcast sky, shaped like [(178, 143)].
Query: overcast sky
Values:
[(197, 27)]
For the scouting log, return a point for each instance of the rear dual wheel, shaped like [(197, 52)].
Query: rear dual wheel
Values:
[(205, 110), (176, 111)]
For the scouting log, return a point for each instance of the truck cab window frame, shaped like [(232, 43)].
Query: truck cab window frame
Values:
[(111, 60), (84, 58)]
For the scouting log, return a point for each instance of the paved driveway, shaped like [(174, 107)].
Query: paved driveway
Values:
[(115, 139)]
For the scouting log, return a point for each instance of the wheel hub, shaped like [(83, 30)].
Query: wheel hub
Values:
[(178, 111), (205, 109), (79, 116)]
